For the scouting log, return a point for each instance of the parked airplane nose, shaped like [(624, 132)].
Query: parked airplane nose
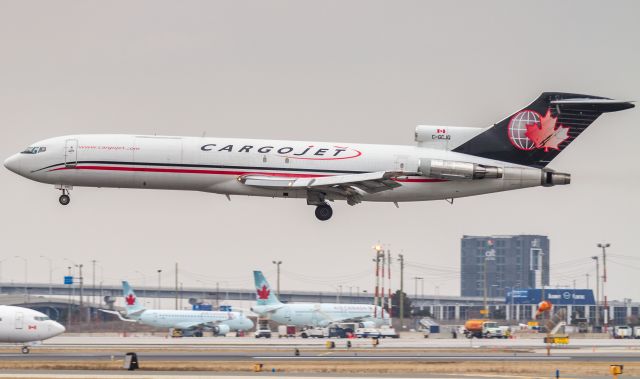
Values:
[(13, 163), (56, 328)]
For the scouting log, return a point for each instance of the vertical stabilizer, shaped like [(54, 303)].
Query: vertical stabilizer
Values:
[(264, 294), (131, 302)]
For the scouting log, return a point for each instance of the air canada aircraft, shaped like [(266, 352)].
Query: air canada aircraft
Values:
[(220, 322), (447, 162), (24, 326), (312, 314)]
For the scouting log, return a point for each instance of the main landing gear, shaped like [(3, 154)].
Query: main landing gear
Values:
[(25, 350), (324, 212)]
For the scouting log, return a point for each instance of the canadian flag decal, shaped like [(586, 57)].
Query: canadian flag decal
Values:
[(263, 293), (131, 300)]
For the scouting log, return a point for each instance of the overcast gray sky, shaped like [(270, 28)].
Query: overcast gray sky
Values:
[(352, 71)]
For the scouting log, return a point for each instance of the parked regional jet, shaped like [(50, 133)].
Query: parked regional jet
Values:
[(310, 314), (24, 325), (220, 322), (448, 161)]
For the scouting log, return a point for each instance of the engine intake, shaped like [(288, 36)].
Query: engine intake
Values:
[(552, 178), (437, 168)]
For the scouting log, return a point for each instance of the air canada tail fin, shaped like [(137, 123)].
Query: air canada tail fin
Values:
[(264, 293), (131, 303), (536, 134)]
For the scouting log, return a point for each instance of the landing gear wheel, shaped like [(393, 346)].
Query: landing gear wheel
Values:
[(324, 212), (25, 350), (64, 199)]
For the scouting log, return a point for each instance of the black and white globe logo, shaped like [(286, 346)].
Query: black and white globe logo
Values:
[(518, 128), (566, 295)]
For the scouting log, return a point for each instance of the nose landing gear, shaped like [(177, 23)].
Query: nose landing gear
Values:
[(25, 350), (64, 199), (324, 212)]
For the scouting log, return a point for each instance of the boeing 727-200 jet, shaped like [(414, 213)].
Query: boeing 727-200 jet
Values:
[(448, 161)]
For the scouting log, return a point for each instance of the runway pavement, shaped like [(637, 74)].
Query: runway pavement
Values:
[(157, 348)]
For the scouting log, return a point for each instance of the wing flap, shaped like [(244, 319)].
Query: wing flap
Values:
[(370, 182)]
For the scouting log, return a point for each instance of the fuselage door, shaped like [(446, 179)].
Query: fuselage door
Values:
[(19, 320), (71, 153)]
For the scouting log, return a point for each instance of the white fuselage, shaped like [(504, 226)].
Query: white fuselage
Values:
[(21, 325), (185, 319), (321, 314), (215, 165)]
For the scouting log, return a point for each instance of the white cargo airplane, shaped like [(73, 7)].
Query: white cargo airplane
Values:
[(448, 161), (220, 322), (312, 314), (24, 325)]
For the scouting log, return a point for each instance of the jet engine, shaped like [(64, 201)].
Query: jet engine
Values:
[(552, 178), (221, 330), (441, 169)]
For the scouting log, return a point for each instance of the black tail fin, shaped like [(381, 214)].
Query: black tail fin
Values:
[(536, 134)]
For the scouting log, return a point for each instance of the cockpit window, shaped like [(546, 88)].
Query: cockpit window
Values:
[(41, 318), (34, 150)]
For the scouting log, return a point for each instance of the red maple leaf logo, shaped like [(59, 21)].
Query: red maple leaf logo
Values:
[(130, 299), (547, 136), (263, 294)]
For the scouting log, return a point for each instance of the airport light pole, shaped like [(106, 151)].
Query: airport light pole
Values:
[(595, 258), (378, 249), (93, 280), (1, 260), (604, 246), (159, 284), (70, 298), (401, 300), (81, 281), (26, 270), (277, 263), (50, 273)]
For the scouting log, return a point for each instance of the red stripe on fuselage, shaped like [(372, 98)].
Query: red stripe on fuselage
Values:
[(221, 172)]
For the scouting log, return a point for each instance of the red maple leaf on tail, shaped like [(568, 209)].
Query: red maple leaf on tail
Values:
[(130, 299), (547, 135), (263, 293)]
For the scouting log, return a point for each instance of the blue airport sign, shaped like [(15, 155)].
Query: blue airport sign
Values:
[(202, 307), (68, 279), (557, 296)]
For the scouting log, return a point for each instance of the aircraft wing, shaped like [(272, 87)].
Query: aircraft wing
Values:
[(353, 319), (117, 314), (346, 185), (191, 324)]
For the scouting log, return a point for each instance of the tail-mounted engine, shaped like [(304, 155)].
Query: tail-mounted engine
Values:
[(441, 169), (551, 178)]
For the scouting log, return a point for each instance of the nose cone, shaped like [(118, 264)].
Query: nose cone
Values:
[(56, 328), (13, 163), (248, 324)]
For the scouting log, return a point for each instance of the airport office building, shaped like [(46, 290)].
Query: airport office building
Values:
[(517, 279)]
